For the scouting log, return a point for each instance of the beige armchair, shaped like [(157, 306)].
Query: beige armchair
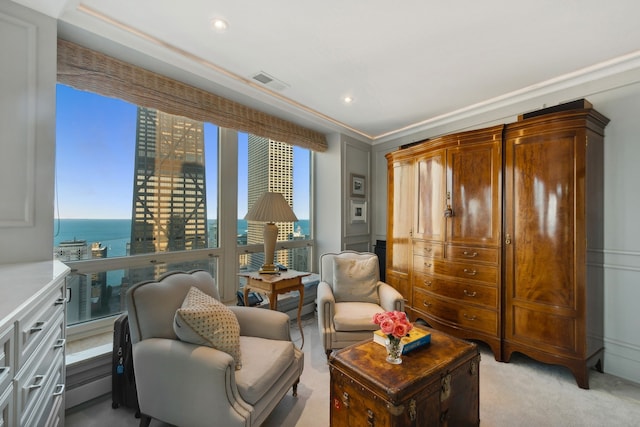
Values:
[(349, 294), (188, 384)]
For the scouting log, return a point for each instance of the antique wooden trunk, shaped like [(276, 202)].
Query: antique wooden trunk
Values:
[(436, 385)]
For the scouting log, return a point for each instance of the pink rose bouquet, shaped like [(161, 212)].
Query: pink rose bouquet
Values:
[(393, 323)]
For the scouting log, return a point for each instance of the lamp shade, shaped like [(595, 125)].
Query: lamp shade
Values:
[(271, 207)]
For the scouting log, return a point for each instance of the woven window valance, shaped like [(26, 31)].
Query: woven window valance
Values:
[(86, 69)]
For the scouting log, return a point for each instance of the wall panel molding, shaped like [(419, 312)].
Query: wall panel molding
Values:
[(18, 42)]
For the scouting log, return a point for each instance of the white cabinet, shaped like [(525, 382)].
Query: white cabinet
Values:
[(32, 336)]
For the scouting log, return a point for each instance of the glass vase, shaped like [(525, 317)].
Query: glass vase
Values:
[(394, 350)]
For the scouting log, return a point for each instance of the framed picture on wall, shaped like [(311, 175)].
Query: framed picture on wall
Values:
[(358, 211), (358, 185)]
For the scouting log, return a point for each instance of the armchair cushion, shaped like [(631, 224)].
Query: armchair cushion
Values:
[(203, 320), (355, 280), (355, 316), (265, 362)]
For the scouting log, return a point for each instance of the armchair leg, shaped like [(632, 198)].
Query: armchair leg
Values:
[(295, 388), (328, 353), (145, 420)]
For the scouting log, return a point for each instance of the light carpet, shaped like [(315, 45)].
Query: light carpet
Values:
[(520, 393)]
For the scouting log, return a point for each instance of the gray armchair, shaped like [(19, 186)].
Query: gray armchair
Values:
[(349, 294), (186, 384)]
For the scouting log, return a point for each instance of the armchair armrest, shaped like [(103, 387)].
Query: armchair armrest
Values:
[(390, 298), (262, 323), (326, 305), (172, 375)]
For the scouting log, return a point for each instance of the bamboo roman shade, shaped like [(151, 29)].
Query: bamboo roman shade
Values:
[(86, 69)]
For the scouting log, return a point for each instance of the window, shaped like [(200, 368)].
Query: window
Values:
[(138, 194)]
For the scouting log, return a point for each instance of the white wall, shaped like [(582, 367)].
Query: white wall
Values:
[(622, 225), (622, 230), (27, 133)]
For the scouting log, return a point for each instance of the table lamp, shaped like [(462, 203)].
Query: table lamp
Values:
[(270, 208)]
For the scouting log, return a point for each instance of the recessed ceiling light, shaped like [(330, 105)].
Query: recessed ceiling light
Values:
[(219, 25), (347, 100)]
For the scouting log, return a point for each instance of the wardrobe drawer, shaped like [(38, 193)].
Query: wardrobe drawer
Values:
[(467, 316), (423, 264), (467, 270), (37, 322), (428, 249), (463, 292), (471, 253)]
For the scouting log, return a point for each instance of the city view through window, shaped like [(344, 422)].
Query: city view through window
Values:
[(132, 180)]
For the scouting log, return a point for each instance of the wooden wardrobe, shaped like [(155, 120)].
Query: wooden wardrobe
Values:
[(497, 235)]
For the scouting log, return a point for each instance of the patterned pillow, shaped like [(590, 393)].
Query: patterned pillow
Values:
[(203, 320), (355, 280)]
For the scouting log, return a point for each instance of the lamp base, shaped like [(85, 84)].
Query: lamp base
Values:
[(269, 269)]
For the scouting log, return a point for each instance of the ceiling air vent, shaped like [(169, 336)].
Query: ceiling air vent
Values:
[(269, 81)]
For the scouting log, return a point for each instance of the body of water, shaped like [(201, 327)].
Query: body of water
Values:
[(116, 233)]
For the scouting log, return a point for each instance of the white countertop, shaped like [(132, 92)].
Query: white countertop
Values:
[(21, 284)]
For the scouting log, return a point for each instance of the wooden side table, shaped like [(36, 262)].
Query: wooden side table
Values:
[(273, 285)]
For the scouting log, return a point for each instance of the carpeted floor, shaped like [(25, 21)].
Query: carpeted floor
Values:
[(520, 393)]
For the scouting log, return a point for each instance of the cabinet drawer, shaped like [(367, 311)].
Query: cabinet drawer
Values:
[(37, 322), (464, 292), (428, 249), (423, 264), (35, 377), (6, 407), (471, 253), (7, 363), (468, 271), (467, 316)]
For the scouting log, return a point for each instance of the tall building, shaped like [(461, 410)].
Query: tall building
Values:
[(270, 169), (169, 210)]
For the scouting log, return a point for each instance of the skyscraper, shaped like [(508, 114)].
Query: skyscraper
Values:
[(169, 210), (270, 169)]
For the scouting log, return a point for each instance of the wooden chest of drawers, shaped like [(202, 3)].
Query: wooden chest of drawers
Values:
[(436, 385)]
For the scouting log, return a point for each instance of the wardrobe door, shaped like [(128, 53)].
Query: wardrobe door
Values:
[(430, 192), (399, 223), (541, 207), (473, 191)]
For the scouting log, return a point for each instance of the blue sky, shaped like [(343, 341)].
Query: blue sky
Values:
[(95, 142)]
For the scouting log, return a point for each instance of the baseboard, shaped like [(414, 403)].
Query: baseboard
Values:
[(86, 392), (622, 360)]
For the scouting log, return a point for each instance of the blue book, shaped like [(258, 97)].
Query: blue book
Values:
[(417, 338)]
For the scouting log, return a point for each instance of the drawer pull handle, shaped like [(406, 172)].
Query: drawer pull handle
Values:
[(371, 422), (59, 301), (470, 254), (345, 399), (38, 380), (59, 343), (426, 304), (428, 265), (4, 369), (37, 327), (466, 316), (59, 390), (470, 294), (428, 249), (427, 283), (470, 272)]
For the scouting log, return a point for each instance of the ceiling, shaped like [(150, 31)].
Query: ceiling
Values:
[(407, 65)]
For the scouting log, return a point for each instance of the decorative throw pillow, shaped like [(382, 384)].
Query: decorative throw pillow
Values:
[(203, 320), (355, 280)]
